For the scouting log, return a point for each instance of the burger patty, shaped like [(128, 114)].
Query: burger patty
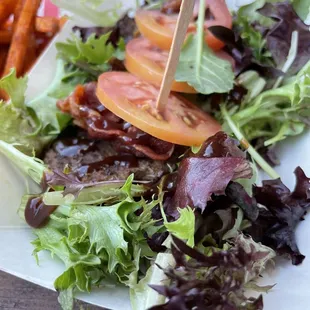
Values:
[(98, 160)]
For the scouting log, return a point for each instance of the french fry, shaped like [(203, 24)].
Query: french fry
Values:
[(8, 25), (6, 9), (5, 36), (48, 24), (18, 9), (63, 20), (42, 41), (3, 54), (22, 37), (31, 54)]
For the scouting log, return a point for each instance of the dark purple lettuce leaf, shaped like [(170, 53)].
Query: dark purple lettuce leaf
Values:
[(238, 195), (242, 54), (124, 28), (280, 35), (156, 241), (269, 153), (71, 184), (216, 281), (237, 94), (208, 172), (275, 226), (200, 178)]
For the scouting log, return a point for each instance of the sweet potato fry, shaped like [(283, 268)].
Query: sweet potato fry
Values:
[(3, 54), (6, 9), (31, 54), (63, 20), (18, 9), (48, 24), (8, 25), (5, 36), (22, 37)]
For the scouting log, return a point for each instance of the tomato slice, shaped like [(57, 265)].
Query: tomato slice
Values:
[(149, 62), (134, 100), (159, 27)]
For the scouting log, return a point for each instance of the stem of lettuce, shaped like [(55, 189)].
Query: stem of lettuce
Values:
[(290, 58), (164, 260), (28, 165), (256, 157), (200, 32)]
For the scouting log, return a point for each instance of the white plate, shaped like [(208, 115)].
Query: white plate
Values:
[(290, 293)]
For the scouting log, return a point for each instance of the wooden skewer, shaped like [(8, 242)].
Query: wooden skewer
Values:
[(185, 16)]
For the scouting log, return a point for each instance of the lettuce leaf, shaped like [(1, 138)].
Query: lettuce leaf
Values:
[(200, 67), (52, 120), (215, 281), (184, 227), (98, 242), (18, 124), (91, 11), (275, 113), (31, 125), (90, 58)]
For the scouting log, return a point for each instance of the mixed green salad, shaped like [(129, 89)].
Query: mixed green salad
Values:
[(198, 233)]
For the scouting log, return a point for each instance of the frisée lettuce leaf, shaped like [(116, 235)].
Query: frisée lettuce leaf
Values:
[(91, 11), (99, 243), (275, 113), (18, 124), (30, 124), (87, 59)]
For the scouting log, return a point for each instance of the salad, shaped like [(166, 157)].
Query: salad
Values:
[(167, 201)]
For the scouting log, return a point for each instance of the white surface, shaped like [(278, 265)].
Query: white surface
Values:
[(290, 293)]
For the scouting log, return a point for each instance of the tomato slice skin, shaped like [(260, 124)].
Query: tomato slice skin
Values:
[(148, 62), (134, 100), (159, 27)]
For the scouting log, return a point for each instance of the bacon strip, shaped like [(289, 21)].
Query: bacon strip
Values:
[(90, 114)]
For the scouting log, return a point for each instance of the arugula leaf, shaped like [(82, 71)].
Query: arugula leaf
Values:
[(200, 67), (91, 11), (302, 8)]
